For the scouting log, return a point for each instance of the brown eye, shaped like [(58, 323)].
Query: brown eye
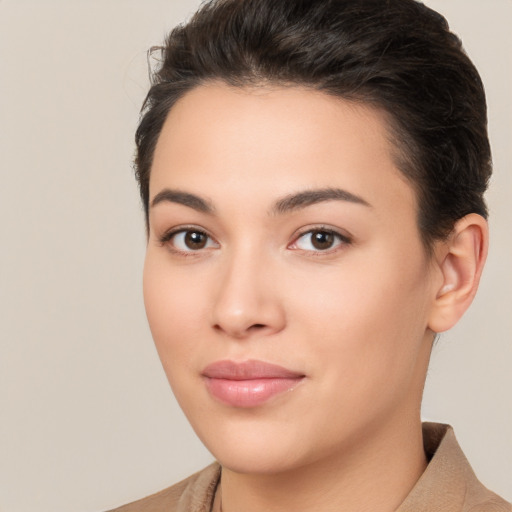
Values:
[(318, 240), (195, 240), (188, 240), (322, 240)]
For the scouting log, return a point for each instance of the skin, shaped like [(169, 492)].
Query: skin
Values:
[(356, 319)]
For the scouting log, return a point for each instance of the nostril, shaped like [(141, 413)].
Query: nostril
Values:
[(257, 326), (240, 332)]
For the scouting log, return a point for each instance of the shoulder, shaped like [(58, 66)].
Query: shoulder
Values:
[(195, 493), (477, 497), (492, 504), (481, 499), (449, 483)]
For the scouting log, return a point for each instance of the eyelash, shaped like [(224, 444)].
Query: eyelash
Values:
[(343, 240), (169, 235)]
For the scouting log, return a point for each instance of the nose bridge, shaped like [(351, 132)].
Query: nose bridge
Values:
[(246, 299)]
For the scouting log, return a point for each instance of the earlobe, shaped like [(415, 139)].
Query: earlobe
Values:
[(460, 260)]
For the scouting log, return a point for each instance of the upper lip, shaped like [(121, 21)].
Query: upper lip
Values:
[(248, 370)]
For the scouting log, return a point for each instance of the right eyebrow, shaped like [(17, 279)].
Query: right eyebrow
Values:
[(306, 198), (184, 198)]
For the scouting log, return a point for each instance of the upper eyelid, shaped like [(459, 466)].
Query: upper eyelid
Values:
[(311, 229), (165, 239), (344, 240), (168, 234)]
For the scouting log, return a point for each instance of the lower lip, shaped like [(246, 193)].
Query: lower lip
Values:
[(251, 392)]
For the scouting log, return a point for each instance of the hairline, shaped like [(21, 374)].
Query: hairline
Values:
[(397, 136)]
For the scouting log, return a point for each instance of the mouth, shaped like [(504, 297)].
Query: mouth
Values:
[(249, 383)]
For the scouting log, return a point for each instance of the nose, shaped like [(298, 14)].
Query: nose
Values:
[(247, 301)]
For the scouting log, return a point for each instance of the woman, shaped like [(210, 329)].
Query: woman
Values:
[(313, 175)]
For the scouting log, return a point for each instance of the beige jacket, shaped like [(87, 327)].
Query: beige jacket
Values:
[(447, 485)]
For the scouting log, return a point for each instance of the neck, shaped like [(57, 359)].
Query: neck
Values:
[(375, 474)]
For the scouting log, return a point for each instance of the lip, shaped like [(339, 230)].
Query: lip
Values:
[(248, 383)]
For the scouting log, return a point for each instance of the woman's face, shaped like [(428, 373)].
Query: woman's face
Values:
[(285, 283)]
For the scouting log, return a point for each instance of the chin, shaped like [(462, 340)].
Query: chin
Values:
[(258, 460), (262, 446)]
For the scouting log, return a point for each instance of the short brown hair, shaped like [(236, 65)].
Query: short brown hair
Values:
[(397, 55)]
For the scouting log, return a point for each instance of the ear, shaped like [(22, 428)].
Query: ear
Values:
[(460, 261)]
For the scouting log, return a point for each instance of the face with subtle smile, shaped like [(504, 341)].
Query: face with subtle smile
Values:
[(286, 285)]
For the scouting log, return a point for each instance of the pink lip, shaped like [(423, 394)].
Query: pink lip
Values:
[(250, 383)]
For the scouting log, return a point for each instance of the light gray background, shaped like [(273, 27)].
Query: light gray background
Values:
[(86, 417)]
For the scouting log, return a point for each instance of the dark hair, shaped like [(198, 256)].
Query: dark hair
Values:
[(396, 55)]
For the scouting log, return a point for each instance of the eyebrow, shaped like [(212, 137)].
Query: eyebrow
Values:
[(310, 197), (287, 204), (184, 198)]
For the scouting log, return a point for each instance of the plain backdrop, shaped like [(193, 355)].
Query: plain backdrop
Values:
[(87, 420)]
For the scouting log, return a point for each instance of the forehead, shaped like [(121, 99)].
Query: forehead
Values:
[(273, 140)]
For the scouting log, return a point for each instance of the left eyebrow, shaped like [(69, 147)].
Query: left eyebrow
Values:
[(185, 198), (306, 198)]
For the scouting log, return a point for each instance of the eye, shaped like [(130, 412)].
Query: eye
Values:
[(319, 240), (188, 240)]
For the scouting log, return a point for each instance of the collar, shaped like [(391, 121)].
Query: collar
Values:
[(447, 485)]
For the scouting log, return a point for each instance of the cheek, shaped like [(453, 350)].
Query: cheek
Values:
[(368, 317), (174, 308)]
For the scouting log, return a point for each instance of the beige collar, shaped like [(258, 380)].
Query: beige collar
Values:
[(447, 485)]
